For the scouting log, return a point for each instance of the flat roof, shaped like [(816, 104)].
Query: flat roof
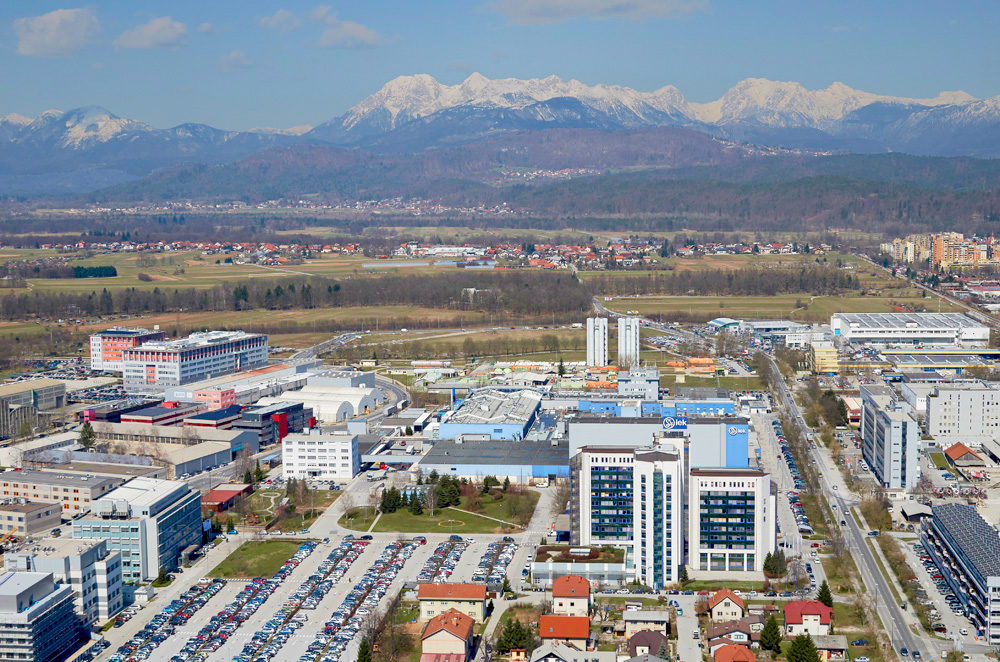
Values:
[(493, 406), (215, 414), (29, 385), (59, 547), (885, 321), (13, 584), (200, 339), (143, 491), (53, 478), (28, 507), (979, 542), (904, 361), (123, 331), (104, 468), (159, 410), (497, 453), (170, 431)]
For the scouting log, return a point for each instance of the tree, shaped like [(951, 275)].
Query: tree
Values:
[(803, 650), (87, 436), (662, 652), (954, 655), (506, 586), (514, 635), (770, 636), (506, 483), (416, 505), (432, 477), (824, 595), (365, 651), (684, 575)]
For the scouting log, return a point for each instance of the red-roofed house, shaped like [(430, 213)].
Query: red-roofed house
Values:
[(807, 617), (436, 599), (447, 638), (734, 653), (726, 606), (573, 630), (963, 456), (571, 596)]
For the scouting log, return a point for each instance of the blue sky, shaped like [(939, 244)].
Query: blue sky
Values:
[(252, 63)]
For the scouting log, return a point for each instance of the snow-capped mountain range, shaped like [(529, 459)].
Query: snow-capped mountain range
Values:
[(416, 113)]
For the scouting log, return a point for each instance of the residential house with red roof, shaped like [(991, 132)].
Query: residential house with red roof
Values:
[(807, 617), (571, 596), (447, 637), (572, 630), (726, 606)]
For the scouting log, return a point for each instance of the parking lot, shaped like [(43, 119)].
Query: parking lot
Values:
[(949, 622)]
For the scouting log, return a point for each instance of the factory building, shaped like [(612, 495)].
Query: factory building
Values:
[(321, 456), (628, 341), (492, 413), (41, 394), (157, 365), (597, 342), (520, 461), (331, 404), (882, 329)]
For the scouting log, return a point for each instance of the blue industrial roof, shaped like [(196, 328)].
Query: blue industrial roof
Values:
[(217, 414)]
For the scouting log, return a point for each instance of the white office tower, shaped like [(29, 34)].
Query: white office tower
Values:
[(628, 341), (597, 342)]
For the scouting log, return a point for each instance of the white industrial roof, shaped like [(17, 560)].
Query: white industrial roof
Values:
[(902, 320), (141, 491)]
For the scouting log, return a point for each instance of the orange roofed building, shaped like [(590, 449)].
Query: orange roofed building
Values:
[(447, 637), (573, 630), (571, 596), (734, 653), (436, 599)]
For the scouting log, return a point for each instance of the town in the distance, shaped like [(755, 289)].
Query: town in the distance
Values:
[(681, 477)]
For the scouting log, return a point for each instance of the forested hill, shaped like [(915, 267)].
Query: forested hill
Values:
[(707, 183)]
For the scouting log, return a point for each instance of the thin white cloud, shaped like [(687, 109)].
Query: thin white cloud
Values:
[(57, 34), (534, 12), (235, 60), (346, 34), (281, 21), (206, 27), (163, 32)]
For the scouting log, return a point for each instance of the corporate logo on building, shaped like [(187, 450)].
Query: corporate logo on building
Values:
[(675, 423)]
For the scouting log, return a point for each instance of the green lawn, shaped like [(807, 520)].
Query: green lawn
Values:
[(715, 584), (256, 559), (939, 460), (731, 382), (815, 515), (445, 520), (838, 580)]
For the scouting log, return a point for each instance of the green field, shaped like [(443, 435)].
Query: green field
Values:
[(446, 520), (256, 559), (751, 383)]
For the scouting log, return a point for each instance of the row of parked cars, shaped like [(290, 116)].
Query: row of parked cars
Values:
[(493, 566), (443, 561), (272, 636), (222, 626), (164, 624), (942, 585), (346, 621), (793, 468), (93, 650)]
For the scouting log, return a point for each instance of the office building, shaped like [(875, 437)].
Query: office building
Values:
[(158, 365), (597, 342), (966, 550), (732, 517), (155, 524), (969, 412), (321, 456), (93, 571), (272, 423), (20, 517), (40, 393), (890, 438), (823, 358), (74, 492), (883, 329), (640, 384), (628, 341), (635, 498), (37, 618), (710, 441), (108, 347), (492, 413)]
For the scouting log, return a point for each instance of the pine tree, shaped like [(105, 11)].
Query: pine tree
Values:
[(684, 575), (506, 483), (416, 505), (803, 650), (662, 652), (87, 435), (770, 636), (769, 563), (824, 595), (365, 651)]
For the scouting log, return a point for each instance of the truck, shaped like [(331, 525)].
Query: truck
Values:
[(374, 476), (411, 450)]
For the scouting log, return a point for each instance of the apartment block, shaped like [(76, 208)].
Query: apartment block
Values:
[(967, 412), (88, 566), (890, 436)]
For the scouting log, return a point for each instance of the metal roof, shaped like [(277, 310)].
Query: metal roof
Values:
[(978, 541), (888, 321), (497, 453), (491, 406)]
